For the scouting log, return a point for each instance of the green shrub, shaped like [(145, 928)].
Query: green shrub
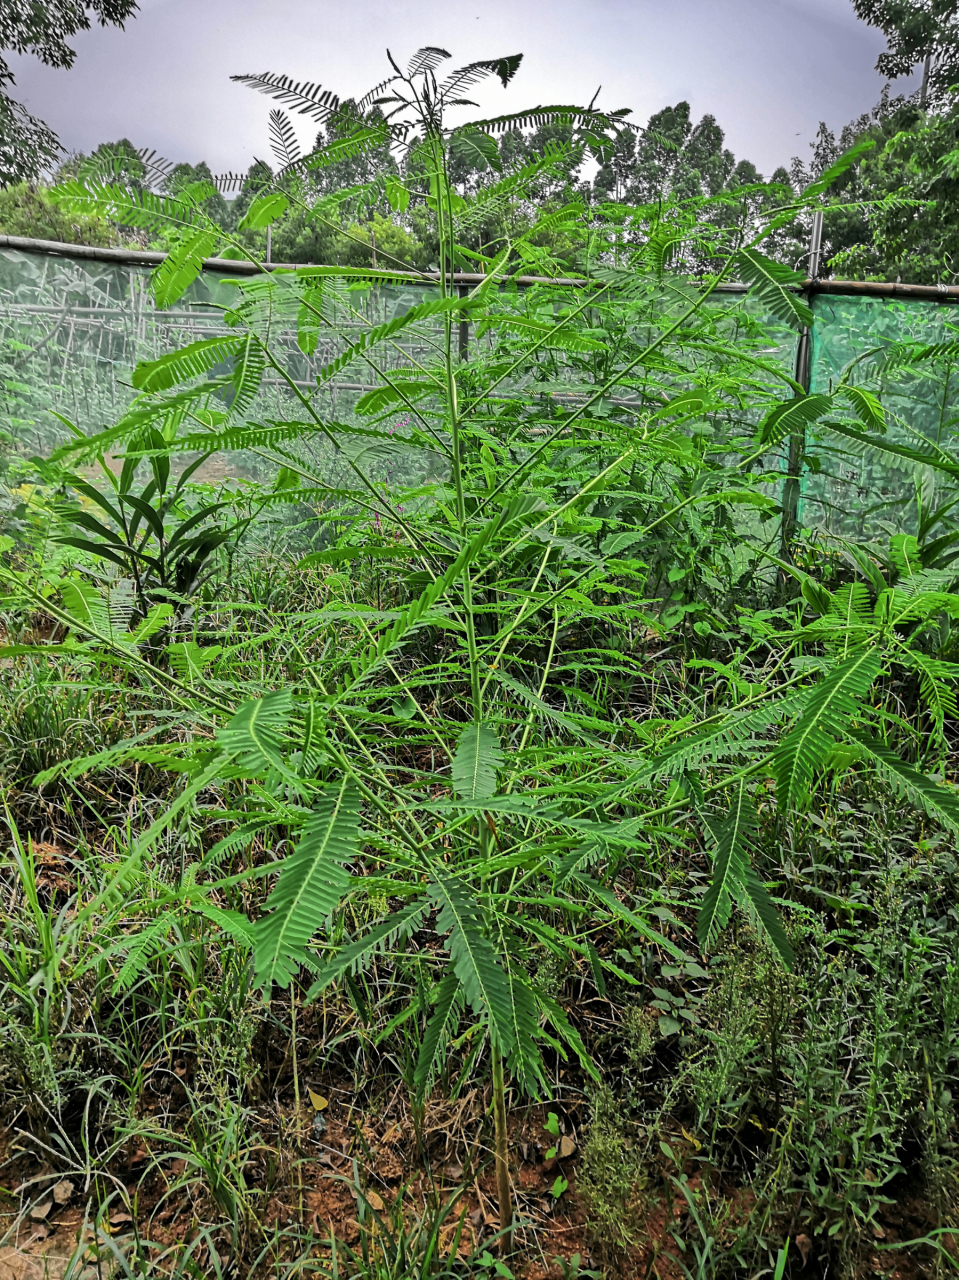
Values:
[(29, 211)]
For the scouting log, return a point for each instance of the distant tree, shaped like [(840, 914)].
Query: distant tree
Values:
[(906, 224), (675, 157), (613, 178), (41, 27), (120, 160), (356, 170), (563, 179), (182, 176), (27, 210), (918, 32), (875, 225), (514, 149)]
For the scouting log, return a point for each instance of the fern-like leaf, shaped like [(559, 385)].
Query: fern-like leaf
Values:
[(774, 286), (475, 762), (116, 203), (380, 332), (827, 715), (356, 956), (932, 456), (793, 416), (535, 117), (253, 737), (475, 72), (303, 96), (839, 167), (189, 362), (939, 802), (425, 60), (524, 1061), (313, 880), (734, 837), (414, 615), (249, 365), (182, 265), (141, 947), (283, 139), (475, 962), (867, 407), (439, 1031), (939, 697), (733, 878), (759, 907)]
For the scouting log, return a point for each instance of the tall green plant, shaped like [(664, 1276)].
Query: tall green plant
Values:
[(579, 436)]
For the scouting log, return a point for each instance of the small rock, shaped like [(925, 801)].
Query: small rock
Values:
[(39, 1212), (63, 1191)]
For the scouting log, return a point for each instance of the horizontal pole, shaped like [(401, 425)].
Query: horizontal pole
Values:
[(153, 258), (238, 266)]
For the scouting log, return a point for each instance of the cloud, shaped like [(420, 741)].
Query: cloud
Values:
[(767, 69)]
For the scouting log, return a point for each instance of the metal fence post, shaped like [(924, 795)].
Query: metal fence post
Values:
[(792, 488)]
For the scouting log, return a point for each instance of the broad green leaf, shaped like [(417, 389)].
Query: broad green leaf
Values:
[(189, 659), (264, 211)]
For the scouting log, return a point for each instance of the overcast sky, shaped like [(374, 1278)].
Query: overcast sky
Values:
[(769, 70)]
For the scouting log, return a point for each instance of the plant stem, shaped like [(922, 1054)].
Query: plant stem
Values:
[(503, 1191)]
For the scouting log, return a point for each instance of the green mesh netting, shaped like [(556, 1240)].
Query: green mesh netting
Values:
[(860, 495), (72, 330)]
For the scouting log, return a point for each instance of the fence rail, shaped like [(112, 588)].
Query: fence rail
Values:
[(75, 320), (152, 258)]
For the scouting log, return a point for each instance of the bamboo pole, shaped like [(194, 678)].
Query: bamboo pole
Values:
[(225, 266), (792, 489)]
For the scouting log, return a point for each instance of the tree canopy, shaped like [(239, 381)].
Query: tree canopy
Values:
[(917, 32), (27, 145)]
